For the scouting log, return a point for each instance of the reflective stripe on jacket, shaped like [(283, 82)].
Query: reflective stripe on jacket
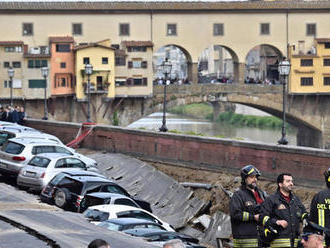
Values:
[(243, 243), (283, 243)]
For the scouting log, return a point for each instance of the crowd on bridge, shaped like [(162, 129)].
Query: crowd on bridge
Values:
[(261, 220), (12, 114)]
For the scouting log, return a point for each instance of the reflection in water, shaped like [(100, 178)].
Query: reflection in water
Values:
[(208, 128)]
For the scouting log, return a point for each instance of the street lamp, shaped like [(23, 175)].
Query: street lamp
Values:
[(11, 73), (44, 73), (88, 72), (166, 67), (284, 71)]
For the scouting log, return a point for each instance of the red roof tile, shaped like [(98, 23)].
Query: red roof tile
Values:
[(11, 43), (137, 43), (61, 39)]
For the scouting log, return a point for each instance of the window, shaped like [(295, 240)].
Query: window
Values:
[(75, 163), (63, 65), (6, 64), (63, 82), (104, 60), (86, 60), (124, 29), (27, 29), (13, 49), (326, 80), (120, 61), (37, 83), (63, 48), (306, 62), (137, 49), (37, 63), (311, 29), (17, 64), (77, 29), (120, 81), (264, 28), (171, 29), (326, 62), (327, 45), (306, 81), (218, 29), (136, 63), (137, 81)]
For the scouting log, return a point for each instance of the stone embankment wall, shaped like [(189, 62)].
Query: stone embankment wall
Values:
[(306, 164)]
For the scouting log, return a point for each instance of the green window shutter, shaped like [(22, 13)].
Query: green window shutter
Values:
[(31, 64), (37, 83)]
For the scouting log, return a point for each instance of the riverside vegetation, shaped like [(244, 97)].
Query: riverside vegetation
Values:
[(205, 111)]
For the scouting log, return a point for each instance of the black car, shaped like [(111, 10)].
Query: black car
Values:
[(153, 235), (67, 189), (122, 224)]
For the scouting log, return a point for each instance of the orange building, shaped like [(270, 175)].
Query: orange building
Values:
[(62, 65)]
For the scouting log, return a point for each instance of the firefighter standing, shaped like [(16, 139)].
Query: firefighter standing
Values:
[(320, 207), (245, 207), (283, 212)]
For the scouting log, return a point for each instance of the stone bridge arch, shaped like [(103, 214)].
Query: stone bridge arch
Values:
[(302, 111)]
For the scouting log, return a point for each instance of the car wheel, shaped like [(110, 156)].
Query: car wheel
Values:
[(61, 198)]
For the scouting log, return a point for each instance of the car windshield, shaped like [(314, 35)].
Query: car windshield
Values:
[(39, 162), (96, 215), (110, 226), (12, 148)]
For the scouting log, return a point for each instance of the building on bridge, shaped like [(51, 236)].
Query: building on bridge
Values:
[(310, 68)]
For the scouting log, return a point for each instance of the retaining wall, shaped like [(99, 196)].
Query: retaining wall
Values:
[(306, 164)]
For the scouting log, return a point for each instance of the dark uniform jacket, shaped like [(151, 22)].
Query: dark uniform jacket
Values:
[(275, 207), (243, 207), (320, 210)]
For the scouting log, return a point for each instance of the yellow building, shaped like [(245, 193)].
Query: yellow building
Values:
[(102, 57), (310, 68)]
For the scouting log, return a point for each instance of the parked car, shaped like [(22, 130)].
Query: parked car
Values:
[(122, 224), (67, 189), (8, 132), (100, 198), (99, 213), (159, 237), (6, 123), (43, 167), (16, 152)]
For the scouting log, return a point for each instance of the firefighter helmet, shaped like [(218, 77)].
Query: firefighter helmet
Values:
[(249, 170), (327, 177)]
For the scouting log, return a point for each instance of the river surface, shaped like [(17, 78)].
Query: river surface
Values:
[(186, 124)]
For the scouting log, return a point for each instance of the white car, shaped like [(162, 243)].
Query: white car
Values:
[(16, 152), (43, 167), (99, 213)]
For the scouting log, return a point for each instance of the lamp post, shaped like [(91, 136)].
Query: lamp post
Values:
[(11, 73), (44, 73), (284, 71), (166, 67), (88, 72)]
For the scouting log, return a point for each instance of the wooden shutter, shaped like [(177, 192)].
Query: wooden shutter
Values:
[(130, 64)]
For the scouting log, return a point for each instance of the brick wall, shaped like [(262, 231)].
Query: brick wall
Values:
[(306, 164)]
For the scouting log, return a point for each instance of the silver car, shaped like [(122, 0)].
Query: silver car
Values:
[(16, 152), (43, 167)]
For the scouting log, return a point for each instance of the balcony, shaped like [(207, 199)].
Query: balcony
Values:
[(97, 88), (37, 52)]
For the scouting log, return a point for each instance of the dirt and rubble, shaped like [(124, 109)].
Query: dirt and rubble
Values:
[(219, 199)]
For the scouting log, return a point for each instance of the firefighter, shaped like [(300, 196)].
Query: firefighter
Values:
[(282, 213), (320, 206), (245, 207)]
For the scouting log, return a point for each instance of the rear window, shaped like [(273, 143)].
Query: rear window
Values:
[(39, 162), (4, 137), (96, 215), (12, 148), (72, 185), (110, 226)]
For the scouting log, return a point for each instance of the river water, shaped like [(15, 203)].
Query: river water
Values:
[(186, 124)]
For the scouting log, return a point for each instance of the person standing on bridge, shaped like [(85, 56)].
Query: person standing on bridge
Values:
[(320, 207), (281, 214), (245, 208)]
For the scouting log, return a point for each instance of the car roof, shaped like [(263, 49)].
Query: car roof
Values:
[(145, 231), (18, 129), (32, 140), (82, 175), (115, 207), (53, 155), (125, 221), (107, 195), (6, 123)]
